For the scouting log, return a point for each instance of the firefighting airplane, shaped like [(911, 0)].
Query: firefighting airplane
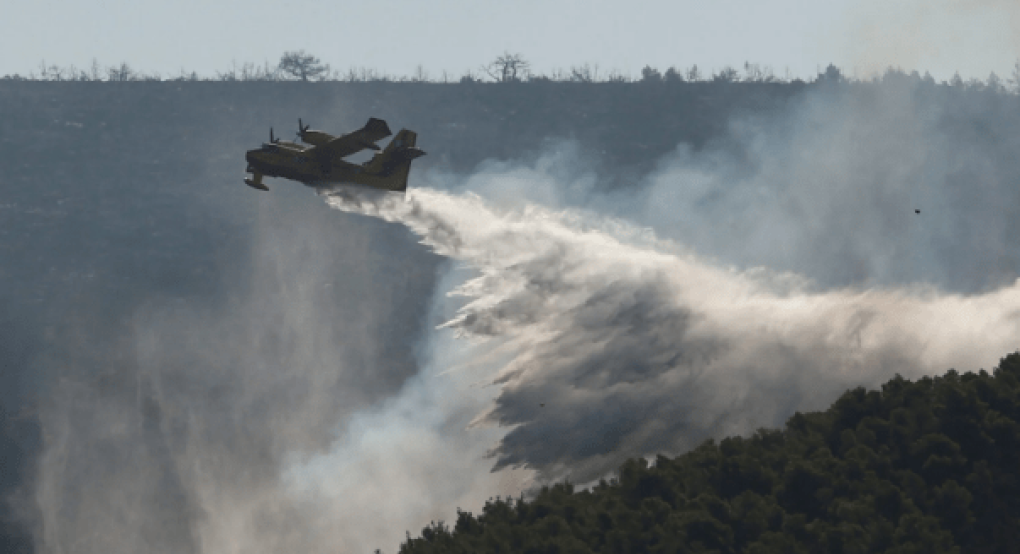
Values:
[(319, 162)]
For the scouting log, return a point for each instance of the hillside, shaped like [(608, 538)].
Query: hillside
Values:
[(926, 466), (118, 199)]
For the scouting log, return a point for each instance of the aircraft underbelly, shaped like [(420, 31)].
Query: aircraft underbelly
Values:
[(286, 171)]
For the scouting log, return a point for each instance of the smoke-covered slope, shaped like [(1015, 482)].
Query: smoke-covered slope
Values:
[(925, 466), (217, 370)]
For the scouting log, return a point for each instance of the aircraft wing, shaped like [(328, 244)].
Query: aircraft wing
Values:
[(352, 143)]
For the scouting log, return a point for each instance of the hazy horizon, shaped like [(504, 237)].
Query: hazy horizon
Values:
[(790, 36)]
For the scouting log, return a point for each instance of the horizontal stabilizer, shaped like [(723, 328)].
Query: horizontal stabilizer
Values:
[(392, 165), (404, 139)]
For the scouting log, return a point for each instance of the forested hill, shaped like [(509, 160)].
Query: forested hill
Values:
[(929, 466), (461, 124)]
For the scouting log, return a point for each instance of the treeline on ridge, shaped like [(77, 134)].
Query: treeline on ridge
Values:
[(506, 68), (926, 466)]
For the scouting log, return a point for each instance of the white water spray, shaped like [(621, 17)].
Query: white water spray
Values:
[(616, 344)]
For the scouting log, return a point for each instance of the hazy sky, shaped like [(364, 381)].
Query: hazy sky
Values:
[(973, 37)]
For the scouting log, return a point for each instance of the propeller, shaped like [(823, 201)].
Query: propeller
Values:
[(271, 139), (301, 129)]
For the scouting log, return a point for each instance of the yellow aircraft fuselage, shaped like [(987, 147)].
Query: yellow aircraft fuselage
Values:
[(323, 164)]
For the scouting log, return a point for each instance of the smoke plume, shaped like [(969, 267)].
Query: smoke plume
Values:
[(614, 344)]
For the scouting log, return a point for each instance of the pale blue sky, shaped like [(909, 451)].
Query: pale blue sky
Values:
[(974, 37)]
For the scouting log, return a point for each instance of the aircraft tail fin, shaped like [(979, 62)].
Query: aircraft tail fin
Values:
[(377, 127), (404, 139), (393, 164)]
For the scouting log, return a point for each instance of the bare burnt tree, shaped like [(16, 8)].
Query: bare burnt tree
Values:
[(230, 75), (726, 75), (420, 75), (584, 73), (757, 73), (122, 73), (615, 76), (361, 74), (50, 72), (251, 72), (558, 74), (76, 74), (95, 72), (508, 68), (185, 76), (303, 66)]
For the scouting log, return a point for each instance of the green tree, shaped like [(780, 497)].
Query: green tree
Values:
[(672, 76), (650, 75), (903, 470), (831, 75)]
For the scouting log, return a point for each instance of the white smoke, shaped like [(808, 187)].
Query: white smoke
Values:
[(617, 344), (179, 440), (972, 37)]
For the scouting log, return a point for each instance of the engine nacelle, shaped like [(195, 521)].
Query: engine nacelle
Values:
[(316, 138)]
